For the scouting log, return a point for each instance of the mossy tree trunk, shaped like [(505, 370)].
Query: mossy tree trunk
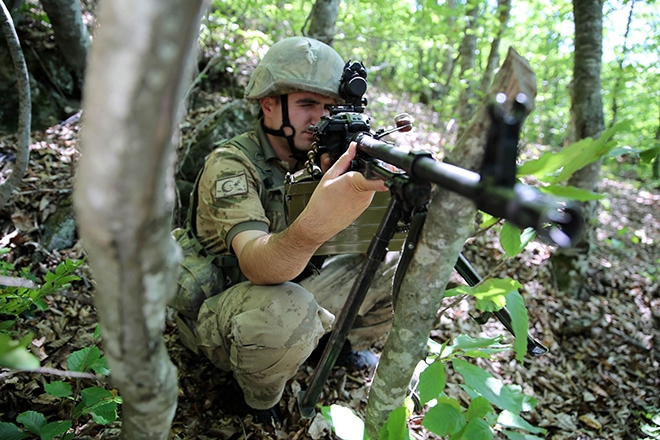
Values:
[(447, 226), (138, 69), (71, 34), (24, 110), (570, 266)]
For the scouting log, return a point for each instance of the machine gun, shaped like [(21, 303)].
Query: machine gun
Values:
[(409, 175)]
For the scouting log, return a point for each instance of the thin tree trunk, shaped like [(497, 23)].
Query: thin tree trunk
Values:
[(468, 53), (622, 59), (71, 34), (448, 225), (24, 108), (503, 9), (570, 266), (124, 195), (656, 161), (323, 18), (449, 57)]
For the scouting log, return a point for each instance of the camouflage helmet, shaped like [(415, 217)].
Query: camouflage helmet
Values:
[(297, 64)]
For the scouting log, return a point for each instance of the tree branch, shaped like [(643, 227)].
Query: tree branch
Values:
[(24, 108)]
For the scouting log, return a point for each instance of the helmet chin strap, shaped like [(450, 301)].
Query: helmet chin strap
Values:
[(296, 153)]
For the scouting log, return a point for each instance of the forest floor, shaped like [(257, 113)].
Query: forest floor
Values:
[(600, 379)]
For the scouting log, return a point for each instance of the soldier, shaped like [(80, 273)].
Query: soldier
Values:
[(251, 295)]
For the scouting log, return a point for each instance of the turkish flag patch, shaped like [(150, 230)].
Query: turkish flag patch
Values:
[(231, 186)]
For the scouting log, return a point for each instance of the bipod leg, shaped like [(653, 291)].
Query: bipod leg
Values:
[(375, 255), (472, 277)]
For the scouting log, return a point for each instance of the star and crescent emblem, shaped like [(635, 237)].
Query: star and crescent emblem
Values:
[(231, 186)]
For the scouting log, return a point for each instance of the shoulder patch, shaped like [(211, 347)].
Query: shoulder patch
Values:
[(231, 186)]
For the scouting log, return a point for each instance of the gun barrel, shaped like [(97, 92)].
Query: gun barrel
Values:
[(557, 220)]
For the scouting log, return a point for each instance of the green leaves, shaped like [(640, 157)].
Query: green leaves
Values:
[(493, 295), (511, 420), (479, 408), (396, 427), (100, 403), (36, 423), (513, 241), (89, 358), (556, 167), (14, 354), (478, 429), (447, 417), (432, 381), (519, 322), (32, 421), (9, 431), (490, 294), (16, 300), (489, 387), (444, 418), (55, 429), (58, 389), (571, 192)]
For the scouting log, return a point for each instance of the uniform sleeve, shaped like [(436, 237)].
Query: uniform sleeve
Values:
[(229, 199)]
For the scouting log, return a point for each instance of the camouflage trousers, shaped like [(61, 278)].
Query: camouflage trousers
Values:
[(264, 333)]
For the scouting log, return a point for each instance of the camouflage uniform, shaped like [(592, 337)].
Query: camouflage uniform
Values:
[(264, 333)]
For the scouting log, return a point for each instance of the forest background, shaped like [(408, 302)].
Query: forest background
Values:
[(419, 71)]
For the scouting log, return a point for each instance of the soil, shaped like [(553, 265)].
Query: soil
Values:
[(599, 380)]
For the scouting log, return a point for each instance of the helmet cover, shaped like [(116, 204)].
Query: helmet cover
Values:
[(297, 64)]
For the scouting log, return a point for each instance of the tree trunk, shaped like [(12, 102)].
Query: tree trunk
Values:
[(323, 18), (570, 266), (503, 9), (467, 53), (448, 225), (622, 59), (448, 55), (656, 161), (124, 195), (70, 32), (24, 110)]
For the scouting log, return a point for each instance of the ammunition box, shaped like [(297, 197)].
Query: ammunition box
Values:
[(356, 238)]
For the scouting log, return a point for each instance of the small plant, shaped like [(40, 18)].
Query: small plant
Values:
[(98, 403), (17, 300), (651, 423), (446, 416)]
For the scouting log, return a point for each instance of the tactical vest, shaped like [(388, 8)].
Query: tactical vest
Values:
[(204, 274)]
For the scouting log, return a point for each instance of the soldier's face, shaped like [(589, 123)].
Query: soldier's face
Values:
[(305, 110)]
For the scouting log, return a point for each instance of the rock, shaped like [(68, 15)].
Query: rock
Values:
[(59, 230)]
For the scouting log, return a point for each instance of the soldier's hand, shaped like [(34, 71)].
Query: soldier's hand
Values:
[(326, 162), (340, 197)]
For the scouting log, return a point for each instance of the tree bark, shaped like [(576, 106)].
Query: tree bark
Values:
[(467, 53), (124, 194), (448, 225), (570, 266), (323, 19), (71, 34), (24, 108)]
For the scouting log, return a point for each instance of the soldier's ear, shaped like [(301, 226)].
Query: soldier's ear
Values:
[(269, 105)]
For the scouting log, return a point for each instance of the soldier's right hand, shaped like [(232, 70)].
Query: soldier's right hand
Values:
[(340, 197)]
